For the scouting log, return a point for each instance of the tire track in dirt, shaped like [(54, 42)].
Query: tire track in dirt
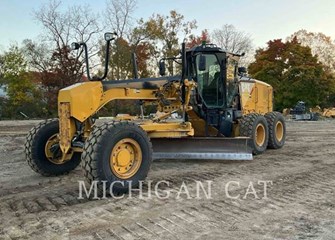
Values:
[(225, 212), (61, 188), (47, 208)]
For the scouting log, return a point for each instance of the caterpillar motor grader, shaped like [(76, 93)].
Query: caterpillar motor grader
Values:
[(223, 115)]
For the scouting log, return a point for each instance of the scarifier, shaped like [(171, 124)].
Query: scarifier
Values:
[(224, 115)]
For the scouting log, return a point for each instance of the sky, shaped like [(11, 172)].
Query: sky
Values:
[(264, 20)]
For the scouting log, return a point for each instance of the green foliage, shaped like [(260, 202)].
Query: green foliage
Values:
[(120, 64), (163, 33), (22, 93), (294, 73), (12, 64), (151, 40)]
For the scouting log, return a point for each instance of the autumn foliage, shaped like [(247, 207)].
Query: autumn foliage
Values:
[(301, 68), (198, 40), (295, 74)]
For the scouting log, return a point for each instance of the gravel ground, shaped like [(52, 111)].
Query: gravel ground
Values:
[(299, 204)]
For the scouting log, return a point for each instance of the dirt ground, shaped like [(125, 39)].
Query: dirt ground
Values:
[(299, 203)]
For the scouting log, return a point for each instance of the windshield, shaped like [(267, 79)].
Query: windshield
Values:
[(210, 83)]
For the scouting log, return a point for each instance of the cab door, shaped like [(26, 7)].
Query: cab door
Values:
[(210, 83)]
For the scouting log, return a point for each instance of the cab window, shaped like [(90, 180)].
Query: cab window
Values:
[(231, 85), (209, 80)]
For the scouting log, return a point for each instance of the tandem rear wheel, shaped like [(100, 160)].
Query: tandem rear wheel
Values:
[(268, 131), (277, 129), (255, 126)]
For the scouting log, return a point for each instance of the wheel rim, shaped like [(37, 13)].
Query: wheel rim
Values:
[(51, 143), (260, 134), (279, 131), (126, 158)]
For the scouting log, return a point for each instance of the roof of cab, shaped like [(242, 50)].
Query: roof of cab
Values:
[(206, 48)]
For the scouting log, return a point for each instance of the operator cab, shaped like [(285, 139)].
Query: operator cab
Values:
[(216, 97)]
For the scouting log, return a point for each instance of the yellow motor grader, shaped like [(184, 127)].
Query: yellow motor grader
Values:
[(211, 111)]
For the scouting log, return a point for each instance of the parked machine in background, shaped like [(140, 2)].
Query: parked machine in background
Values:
[(301, 112)]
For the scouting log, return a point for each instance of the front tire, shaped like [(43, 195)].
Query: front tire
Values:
[(255, 126), (37, 150), (118, 156), (277, 130)]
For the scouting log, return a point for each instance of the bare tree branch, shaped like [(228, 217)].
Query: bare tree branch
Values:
[(118, 15), (235, 41), (78, 23)]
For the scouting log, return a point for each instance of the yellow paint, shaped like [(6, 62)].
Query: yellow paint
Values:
[(84, 99), (126, 93), (260, 134), (328, 112), (67, 127), (54, 139), (199, 125), (256, 97), (279, 129), (230, 72), (236, 130), (168, 130), (125, 158)]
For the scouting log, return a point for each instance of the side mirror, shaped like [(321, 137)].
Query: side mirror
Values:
[(110, 36), (75, 46), (242, 70), (202, 63), (162, 68)]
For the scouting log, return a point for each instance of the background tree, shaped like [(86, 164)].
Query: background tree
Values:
[(150, 39), (121, 63), (20, 88), (164, 33), (198, 40), (320, 44), (119, 16), (294, 73), (229, 38), (65, 70), (62, 28), (146, 35), (120, 66), (58, 67), (119, 19), (173, 28), (37, 54)]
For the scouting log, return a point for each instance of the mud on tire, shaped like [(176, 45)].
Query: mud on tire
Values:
[(255, 126), (277, 130), (98, 155), (35, 150)]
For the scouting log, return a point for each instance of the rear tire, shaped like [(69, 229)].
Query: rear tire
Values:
[(277, 130), (255, 126), (117, 156), (35, 152)]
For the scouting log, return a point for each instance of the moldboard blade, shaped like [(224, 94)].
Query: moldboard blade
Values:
[(211, 148)]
